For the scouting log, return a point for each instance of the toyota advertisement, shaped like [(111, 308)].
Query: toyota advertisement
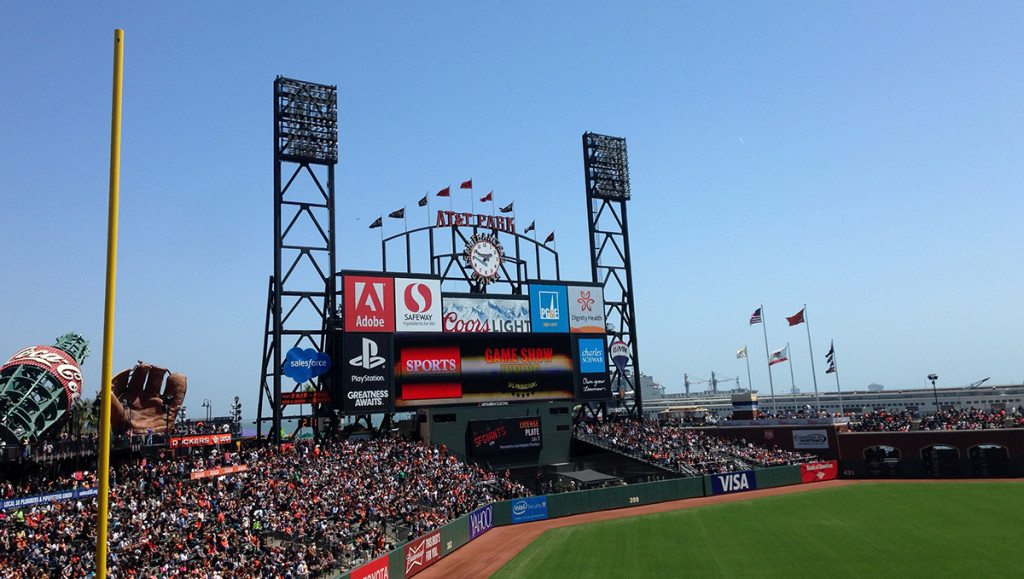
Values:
[(488, 437), (444, 369), (367, 372)]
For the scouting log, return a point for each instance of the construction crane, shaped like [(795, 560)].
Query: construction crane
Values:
[(687, 383), (976, 384), (716, 381)]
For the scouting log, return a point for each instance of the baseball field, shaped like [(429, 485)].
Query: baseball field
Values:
[(927, 529)]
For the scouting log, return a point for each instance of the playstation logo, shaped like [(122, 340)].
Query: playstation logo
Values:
[(368, 359)]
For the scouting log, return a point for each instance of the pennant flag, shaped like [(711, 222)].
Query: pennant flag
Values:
[(830, 359), (756, 317), (741, 353), (507, 208), (530, 227), (377, 222), (780, 355), (550, 238), (488, 197), (397, 214), (423, 201), (446, 192), (466, 184), (796, 319)]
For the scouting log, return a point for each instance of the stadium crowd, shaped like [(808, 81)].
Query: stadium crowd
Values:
[(952, 419), (684, 450), (298, 511)]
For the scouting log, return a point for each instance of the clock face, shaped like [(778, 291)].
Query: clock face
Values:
[(483, 255)]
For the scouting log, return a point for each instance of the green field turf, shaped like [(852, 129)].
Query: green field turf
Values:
[(866, 530)]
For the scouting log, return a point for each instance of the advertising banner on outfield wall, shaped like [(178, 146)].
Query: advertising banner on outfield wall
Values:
[(422, 553), (586, 309), (733, 482), (490, 315), (810, 439), (481, 521), (818, 471), (376, 569), (529, 509), (366, 375)]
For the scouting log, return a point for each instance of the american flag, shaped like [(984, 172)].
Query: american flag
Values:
[(755, 318)]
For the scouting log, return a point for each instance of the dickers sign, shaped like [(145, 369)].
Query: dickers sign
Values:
[(369, 304), (367, 373)]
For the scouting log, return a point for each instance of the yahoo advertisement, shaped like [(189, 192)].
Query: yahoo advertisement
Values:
[(451, 369)]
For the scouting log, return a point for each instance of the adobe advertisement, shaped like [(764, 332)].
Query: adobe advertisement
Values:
[(369, 303), (549, 311), (487, 437), (366, 375), (586, 309), (417, 305), (452, 369), (491, 315), (592, 382)]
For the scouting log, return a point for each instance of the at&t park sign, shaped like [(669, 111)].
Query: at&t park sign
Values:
[(457, 219)]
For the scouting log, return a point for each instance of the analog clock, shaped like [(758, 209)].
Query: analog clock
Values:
[(483, 254)]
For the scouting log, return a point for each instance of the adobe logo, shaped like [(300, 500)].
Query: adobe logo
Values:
[(369, 304)]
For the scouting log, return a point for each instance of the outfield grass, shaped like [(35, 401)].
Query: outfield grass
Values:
[(866, 530)]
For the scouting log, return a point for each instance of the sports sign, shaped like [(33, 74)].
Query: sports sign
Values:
[(485, 315), (549, 311), (486, 437), (366, 375), (453, 369), (586, 309), (417, 305), (369, 304)]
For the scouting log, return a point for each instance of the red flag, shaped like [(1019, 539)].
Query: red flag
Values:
[(796, 319), (488, 197), (550, 238), (466, 184), (446, 192)]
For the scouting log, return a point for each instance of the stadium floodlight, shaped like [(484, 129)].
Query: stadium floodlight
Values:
[(306, 121), (933, 378), (606, 166)]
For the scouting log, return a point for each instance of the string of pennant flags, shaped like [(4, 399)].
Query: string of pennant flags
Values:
[(447, 192), (783, 354)]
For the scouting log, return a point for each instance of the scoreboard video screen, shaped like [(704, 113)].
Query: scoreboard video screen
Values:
[(488, 437)]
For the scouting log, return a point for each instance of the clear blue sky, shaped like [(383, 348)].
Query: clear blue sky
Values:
[(862, 158)]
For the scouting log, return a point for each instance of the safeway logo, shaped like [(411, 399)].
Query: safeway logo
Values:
[(417, 305), (369, 359), (418, 298)]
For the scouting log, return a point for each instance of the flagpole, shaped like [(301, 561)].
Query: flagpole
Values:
[(750, 385), (472, 202), (814, 376), (792, 379), (771, 384), (428, 209), (836, 372)]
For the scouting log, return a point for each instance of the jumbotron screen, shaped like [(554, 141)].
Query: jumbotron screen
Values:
[(487, 437), (445, 369)]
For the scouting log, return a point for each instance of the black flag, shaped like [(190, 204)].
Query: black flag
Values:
[(397, 214), (530, 228), (377, 222), (423, 201), (506, 209)]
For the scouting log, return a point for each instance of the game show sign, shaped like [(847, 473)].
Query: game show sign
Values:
[(487, 437), (494, 315), (417, 305), (366, 375), (592, 381), (549, 311), (586, 309), (457, 369), (369, 303)]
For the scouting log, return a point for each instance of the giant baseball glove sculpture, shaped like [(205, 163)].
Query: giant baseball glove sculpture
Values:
[(141, 399)]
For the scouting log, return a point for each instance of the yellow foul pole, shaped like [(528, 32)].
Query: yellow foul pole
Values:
[(103, 470)]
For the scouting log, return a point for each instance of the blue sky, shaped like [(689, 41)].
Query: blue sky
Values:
[(862, 158)]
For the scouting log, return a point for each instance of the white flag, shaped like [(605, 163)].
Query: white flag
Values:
[(780, 355), (741, 353)]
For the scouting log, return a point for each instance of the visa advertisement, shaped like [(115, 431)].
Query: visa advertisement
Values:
[(733, 482), (549, 311), (592, 381), (444, 369)]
